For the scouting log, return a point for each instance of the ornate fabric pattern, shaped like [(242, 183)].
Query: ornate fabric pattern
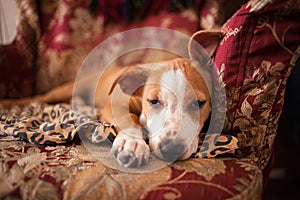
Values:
[(44, 124), (71, 31), (254, 59), (214, 13), (54, 37), (17, 60), (71, 172)]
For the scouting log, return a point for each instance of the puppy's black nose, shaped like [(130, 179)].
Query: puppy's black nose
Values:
[(171, 149)]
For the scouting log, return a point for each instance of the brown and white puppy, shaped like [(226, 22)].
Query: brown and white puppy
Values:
[(170, 100)]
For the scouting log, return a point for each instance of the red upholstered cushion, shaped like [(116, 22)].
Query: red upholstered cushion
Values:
[(71, 172), (254, 59), (17, 59), (210, 179), (71, 31)]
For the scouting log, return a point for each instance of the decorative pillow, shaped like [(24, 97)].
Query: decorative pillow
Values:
[(255, 59), (17, 59)]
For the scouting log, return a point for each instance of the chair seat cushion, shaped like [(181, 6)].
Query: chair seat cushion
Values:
[(71, 172)]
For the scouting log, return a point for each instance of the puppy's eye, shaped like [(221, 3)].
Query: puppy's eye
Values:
[(196, 105), (154, 102)]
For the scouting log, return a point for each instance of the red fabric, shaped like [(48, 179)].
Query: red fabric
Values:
[(185, 21), (17, 60), (254, 59), (191, 185), (71, 31), (214, 13), (71, 172), (17, 69)]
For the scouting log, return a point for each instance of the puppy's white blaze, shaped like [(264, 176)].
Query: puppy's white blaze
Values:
[(156, 122), (188, 130), (172, 117), (175, 82), (187, 136)]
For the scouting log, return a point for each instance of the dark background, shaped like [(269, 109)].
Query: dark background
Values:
[(285, 176)]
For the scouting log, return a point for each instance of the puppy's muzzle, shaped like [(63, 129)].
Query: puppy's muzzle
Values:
[(171, 150)]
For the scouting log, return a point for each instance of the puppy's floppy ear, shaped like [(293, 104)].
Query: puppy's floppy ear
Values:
[(209, 40), (131, 80)]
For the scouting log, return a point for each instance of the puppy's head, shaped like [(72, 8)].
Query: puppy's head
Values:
[(175, 98), (175, 103), (175, 108)]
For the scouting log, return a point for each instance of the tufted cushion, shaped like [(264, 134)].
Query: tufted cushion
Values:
[(17, 59), (255, 59)]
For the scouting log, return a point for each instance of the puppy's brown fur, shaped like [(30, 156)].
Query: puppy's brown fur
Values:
[(138, 95)]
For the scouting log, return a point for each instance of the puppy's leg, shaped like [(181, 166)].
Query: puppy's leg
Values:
[(60, 94), (130, 151), (129, 147)]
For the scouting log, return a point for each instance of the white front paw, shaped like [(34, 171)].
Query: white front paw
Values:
[(130, 150)]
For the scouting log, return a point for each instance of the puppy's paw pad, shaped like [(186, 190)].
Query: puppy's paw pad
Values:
[(131, 153), (128, 159)]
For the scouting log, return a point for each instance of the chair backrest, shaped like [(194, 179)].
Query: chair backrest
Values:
[(255, 58)]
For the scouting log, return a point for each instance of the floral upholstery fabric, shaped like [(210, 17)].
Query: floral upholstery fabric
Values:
[(54, 37), (17, 60), (71, 172), (255, 59), (71, 31), (62, 123), (214, 13)]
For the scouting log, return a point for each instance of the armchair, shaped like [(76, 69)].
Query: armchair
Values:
[(260, 48)]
